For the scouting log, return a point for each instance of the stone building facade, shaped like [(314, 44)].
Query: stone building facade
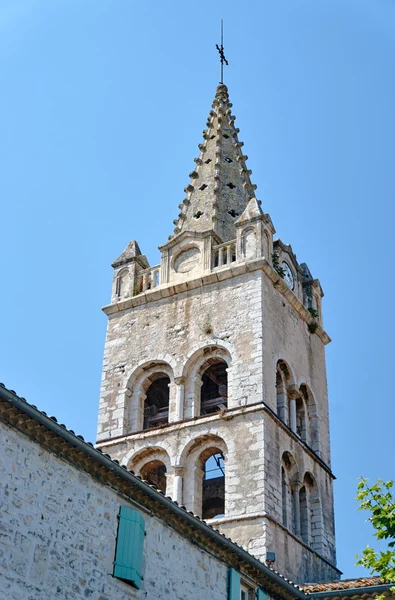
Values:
[(61, 506), (67, 530), (214, 376)]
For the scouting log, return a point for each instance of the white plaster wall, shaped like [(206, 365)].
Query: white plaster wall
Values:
[(58, 531)]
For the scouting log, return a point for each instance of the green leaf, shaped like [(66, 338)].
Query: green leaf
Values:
[(379, 501)]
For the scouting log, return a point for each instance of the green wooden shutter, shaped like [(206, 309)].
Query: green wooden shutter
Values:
[(129, 547), (234, 585), (261, 595)]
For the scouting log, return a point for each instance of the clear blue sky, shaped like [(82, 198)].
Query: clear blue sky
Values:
[(102, 106)]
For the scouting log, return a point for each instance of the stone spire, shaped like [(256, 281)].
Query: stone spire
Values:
[(220, 185)]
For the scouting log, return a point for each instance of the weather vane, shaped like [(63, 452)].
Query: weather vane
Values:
[(221, 52)]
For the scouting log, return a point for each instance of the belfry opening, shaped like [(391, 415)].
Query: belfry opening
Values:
[(155, 472), (214, 390), (214, 487), (156, 404)]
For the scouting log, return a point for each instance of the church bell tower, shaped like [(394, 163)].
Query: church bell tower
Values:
[(214, 377)]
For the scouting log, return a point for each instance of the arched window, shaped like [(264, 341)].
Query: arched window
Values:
[(301, 419), (208, 380), (121, 287), (155, 472), (307, 518), (213, 500), (304, 515), (248, 243), (311, 436), (284, 381), (148, 396), (156, 404), (151, 463), (281, 396), (203, 460), (289, 475), (315, 515), (214, 390)]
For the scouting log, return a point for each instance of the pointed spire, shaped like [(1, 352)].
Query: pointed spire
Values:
[(220, 185), (132, 252), (252, 211)]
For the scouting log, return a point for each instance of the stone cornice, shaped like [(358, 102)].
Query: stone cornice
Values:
[(297, 439), (190, 235), (234, 270), (230, 413)]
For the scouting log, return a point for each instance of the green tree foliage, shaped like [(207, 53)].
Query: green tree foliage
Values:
[(379, 500)]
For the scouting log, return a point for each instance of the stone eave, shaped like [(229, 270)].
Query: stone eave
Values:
[(187, 234), (234, 270), (27, 419), (269, 222), (244, 222), (141, 260)]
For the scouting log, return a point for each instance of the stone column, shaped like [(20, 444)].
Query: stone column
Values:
[(228, 254), (296, 499), (197, 500), (259, 239), (207, 254), (180, 388), (194, 396), (164, 267), (136, 411), (220, 257), (169, 486), (177, 484), (292, 395)]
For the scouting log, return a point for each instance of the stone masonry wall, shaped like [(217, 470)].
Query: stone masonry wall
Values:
[(285, 336), (239, 436), (255, 326), (172, 330), (58, 530)]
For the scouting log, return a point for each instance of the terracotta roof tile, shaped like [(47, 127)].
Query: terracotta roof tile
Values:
[(345, 584)]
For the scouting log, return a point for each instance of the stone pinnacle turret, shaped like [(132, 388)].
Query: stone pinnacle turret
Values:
[(220, 185)]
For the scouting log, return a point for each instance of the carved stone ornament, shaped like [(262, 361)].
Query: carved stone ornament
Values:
[(187, 260)]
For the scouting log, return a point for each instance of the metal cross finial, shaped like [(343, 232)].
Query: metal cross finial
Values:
[(221, 52)]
